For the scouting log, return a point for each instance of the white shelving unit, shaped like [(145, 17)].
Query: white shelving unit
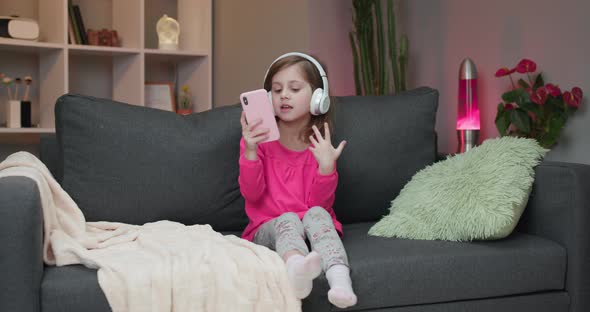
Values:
[(117, 73)]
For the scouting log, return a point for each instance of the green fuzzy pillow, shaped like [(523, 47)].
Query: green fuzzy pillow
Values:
[(478, 195)]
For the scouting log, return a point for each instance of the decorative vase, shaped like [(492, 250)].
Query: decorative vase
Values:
[(25, 114), (13, 114)]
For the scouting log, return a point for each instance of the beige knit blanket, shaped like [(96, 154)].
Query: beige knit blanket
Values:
[(160, 266)]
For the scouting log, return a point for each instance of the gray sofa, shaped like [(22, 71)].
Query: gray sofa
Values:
[(132, 164)]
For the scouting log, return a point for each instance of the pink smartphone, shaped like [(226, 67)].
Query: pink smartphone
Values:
[(256, 104)]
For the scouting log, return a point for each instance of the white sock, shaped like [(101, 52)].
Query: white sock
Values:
[(340, 293), (302, 270)]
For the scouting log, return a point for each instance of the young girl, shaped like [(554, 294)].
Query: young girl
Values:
[(289, 184)]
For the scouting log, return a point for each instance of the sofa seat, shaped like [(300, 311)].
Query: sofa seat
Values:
[(75, 288), (399, 272), (386, 272)]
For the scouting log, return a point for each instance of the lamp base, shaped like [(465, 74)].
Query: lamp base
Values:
[(467, 140), (168, 46)]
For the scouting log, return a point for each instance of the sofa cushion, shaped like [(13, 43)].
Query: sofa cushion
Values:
[(49, 155), (388, 272), (385, 273), (389, 139), (76, 288), (135, 164), (480, 194)]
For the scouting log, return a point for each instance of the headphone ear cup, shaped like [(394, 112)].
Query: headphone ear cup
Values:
[(325, 105), (316, 98)]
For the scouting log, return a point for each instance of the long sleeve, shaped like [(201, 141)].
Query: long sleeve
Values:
[(283, 180), (323, 191), (251, 178)]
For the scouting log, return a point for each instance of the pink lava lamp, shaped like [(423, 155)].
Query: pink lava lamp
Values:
[(468, 111)]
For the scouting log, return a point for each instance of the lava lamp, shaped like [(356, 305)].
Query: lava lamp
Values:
[(468, 111)]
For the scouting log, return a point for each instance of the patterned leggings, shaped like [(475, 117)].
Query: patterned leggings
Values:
[(287, 232)]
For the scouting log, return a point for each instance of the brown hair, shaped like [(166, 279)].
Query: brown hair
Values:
[(312, 75)]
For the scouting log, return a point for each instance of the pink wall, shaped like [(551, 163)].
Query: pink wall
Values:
[(441, 33), (495, 34), (249, 35), (330, 21)]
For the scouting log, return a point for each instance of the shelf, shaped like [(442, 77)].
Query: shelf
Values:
[(26, 130), (76, 49), (25, 46), (174, 53), (117, 73)]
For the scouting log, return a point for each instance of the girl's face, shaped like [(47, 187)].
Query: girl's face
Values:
[(291, 94)]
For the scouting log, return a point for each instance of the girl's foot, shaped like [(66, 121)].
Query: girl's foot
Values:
[(340, 293), (302, 270)]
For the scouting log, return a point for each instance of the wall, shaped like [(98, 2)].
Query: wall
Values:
[(496, 34), (330, 23), (248, 36)]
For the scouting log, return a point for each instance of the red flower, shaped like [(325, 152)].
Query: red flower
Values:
[(526, 66), (573, 98), (509, 106), (577, 92), (529, 91), (553, 90), (504, 71), (539, 96)]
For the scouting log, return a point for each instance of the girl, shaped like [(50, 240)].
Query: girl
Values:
[(289, 184)]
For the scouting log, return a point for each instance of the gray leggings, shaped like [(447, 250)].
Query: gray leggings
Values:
[(286, 233)]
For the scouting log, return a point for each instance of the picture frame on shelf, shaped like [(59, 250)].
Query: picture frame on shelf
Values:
[(160, 95)]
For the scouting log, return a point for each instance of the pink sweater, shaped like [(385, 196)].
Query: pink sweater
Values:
[(282, 180)]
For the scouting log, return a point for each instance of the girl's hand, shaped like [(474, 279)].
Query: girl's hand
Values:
[(252, 136), (324, 152)]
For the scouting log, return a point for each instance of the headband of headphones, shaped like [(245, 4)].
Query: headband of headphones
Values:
[(309, 58)]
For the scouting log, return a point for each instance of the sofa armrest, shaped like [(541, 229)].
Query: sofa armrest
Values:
[(559, 210), (21, 244)]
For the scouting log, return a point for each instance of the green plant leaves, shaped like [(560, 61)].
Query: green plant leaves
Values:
[(538, 81), (512, 95), (502, 119), (532, 107), (370, 42), (521, 120), (523, 83), (556, 124), (554, 105)]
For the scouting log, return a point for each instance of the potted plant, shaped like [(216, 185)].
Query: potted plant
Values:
[(377, 53), (533, 108), (185, 106)]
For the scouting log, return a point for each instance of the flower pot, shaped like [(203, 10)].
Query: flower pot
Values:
[(184, 111)]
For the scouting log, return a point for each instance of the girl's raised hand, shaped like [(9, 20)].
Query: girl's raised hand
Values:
[(322, 149), (252, 135)]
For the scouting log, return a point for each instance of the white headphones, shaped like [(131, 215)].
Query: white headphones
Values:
[(320, 99)]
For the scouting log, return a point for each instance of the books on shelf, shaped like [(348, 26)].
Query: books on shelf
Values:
[(76, 29)]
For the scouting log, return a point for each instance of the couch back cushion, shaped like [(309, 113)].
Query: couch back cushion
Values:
[(389, 138), (135, 165)]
